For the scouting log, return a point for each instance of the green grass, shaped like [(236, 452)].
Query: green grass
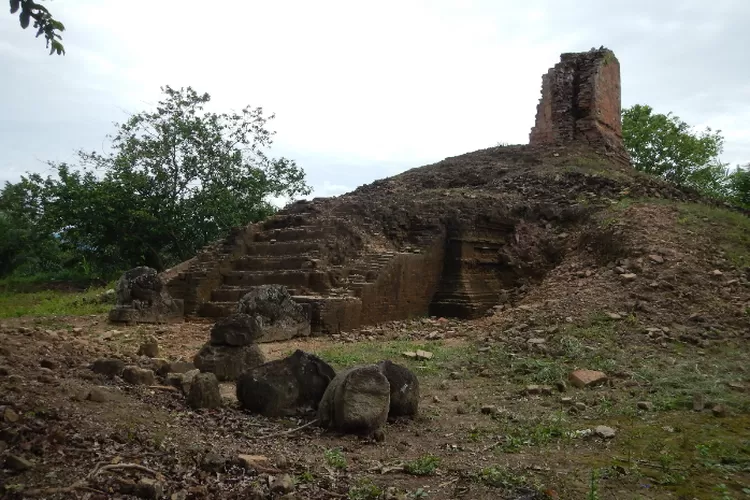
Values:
[(51, 303), (444, 356), (335, 458), (425, 465)]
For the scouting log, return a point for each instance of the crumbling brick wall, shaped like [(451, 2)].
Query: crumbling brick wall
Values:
[(581, 103)]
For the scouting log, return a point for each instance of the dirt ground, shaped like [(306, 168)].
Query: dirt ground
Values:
[(662, 310)]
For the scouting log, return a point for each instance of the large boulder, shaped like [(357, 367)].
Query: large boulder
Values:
[(404, 389), (285, 386), (279, 317), (204, 392), (141, 298), (228, 362), (357, 400), (236, 329)]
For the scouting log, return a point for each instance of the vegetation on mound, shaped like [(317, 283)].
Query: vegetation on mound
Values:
[(15, 304)]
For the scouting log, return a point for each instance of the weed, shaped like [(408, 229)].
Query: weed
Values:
[(422, 466), (335, 458), (365, 490), (497, 477), (593, 493), (306, 477)]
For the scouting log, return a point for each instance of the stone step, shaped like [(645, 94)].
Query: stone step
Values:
[(297, 233), (313, 280), (249, 263), (217, 309), (280, 221), (228, 293), (285, 248)]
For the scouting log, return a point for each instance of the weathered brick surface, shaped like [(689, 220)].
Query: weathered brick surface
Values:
[(581, 103)]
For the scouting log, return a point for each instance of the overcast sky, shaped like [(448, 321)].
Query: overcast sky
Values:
[(363, 90)]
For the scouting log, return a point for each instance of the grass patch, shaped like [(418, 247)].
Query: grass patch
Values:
[(425, 465), (335, 458), (444, 356), (51, 302)]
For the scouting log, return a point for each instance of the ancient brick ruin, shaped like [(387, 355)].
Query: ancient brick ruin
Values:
[(449, 239), (581, 103)]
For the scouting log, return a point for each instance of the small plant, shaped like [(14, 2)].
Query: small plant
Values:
[(335, 458), (422, 466), (593, 493), (306, 477), (418, 493), (365, 490)]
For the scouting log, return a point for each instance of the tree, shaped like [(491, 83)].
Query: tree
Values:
[(177, 178), (739, 186), (44, 23), (666, 146)]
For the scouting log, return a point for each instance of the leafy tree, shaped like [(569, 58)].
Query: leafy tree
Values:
[(739, 186), (44, 23), (177, 178), (666, 146)]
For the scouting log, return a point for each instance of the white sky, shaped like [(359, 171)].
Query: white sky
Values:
[(362, 90)]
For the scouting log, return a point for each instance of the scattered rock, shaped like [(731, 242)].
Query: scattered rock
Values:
[(612, 315), (536, 341), (604, 432), (699, 402), (149, 488), (409, 354), (281, 484), (580, 406), (404, 389), (4, 371), (533, 390), (454, 375), (17, 464), (488, 409), (656, 258), (628, 276), (357, 400), (135, 375), (181, 366), (645, 405), (159, 365), (254, 462), (716, 272), (204, 392), (566, 401), (228, 362), (174, 379), (236, 329), (283, 386), (10, 415), (48, 363), (561, 386), (278, 316), (108, 366), (98, 395), (212, 462), (587, 378), (149, 348), (719, 411), (186, 380), (424, 354)]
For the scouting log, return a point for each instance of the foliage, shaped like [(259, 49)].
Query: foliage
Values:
[(335, 458), (739, 186), (44, 23), (422, 466), (666, 146), (176, 178)]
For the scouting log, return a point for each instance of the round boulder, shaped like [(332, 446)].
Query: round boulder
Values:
[(284, 386), (228, 362), (204, 392), (404, 389), (357, 400), (236, 329)]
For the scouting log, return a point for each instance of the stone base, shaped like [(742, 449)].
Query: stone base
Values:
[(168, 312)]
